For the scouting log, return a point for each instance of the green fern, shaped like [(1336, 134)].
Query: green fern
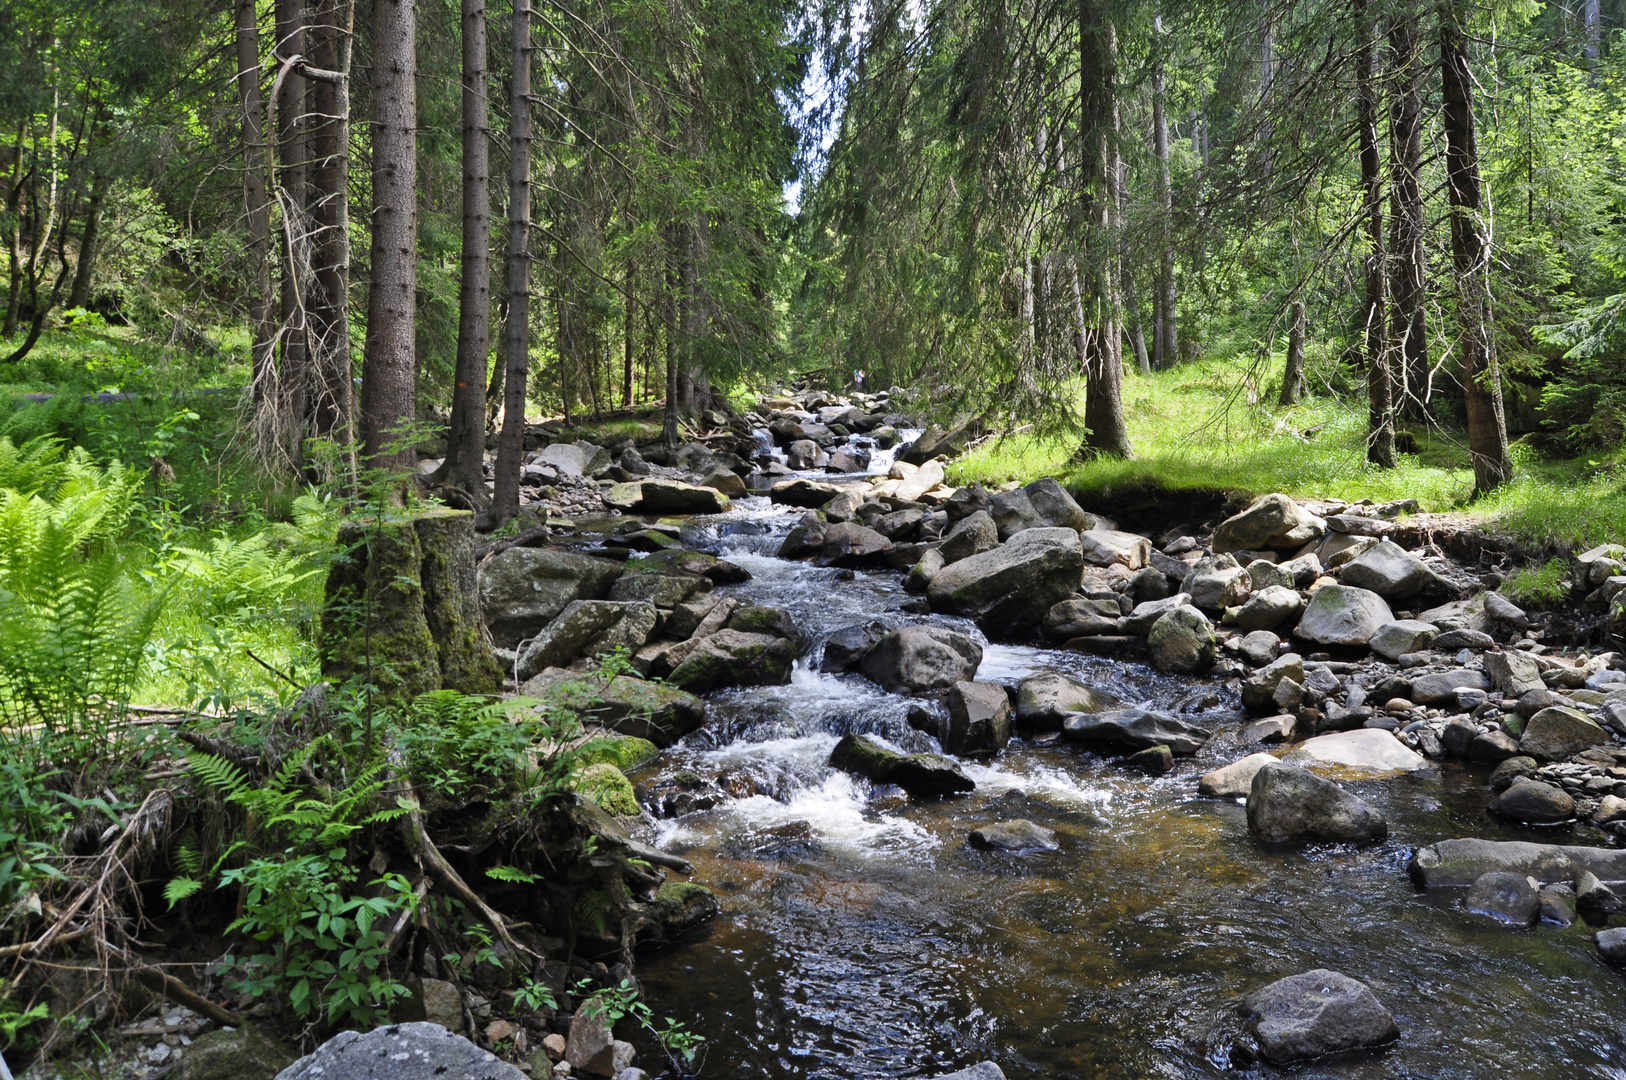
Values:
[(181, 888), (512, 875)]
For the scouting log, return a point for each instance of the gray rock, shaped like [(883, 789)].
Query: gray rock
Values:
[(1534, 803), (676, 497), (1403, 636), (1595, 899), (1259, 689), (1268, 608), (985, 1070), (1042, 504), (1368, 752), (923, 775), (1317, 1013), (1458, 863), (1216, 583), (415, 1051), (1558, 733), (917, 659), (1491, 747), (644, 708), (853, 545), (734, 658), (1045, 699), (1501, 609), (920, 575), (1505, 897), (1453, 640), (1514, 673), (802, 454), (1287, 804), (1104, 547), (1182, 641), (523, 589), (1557, 904), (1304, 569), (1010, 588), (1270, 729), (1141, 620), (1080, 616), (1388, 570), (1014, 836), (1128, 730), (1343, 615), (847, 646), (1259, 647), (587, 628), (1148, 583), (1273, 521), (1508, 771), (971, 535), (1235, 780), (1612, 944), (979, 719), (1264, 573), (1458, 735), (1440, 687), (900, 525)]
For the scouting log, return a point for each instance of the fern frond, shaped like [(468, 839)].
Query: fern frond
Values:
[(226, 777)]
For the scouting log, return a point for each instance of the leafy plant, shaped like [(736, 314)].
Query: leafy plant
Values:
[(535, 996), (612, 1003), (1542, 586)]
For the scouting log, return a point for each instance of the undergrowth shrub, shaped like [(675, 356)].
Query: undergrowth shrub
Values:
[(1540, 586)]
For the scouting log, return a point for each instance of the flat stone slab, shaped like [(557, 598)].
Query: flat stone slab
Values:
[(1459, 863), (1362, 753)]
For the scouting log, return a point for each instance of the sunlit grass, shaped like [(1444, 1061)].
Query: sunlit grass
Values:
[(1193, 430)]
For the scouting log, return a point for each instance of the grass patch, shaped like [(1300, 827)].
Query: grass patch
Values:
[(1192, 431), (1539, 586)]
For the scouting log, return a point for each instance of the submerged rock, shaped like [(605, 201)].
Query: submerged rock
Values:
[(1014, 836), (926, 775), (1317, 1013), (1509, 898), (414, 1051), (1287, 805), (1461, 862)]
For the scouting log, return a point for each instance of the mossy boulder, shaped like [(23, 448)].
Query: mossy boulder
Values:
[(647, 710), (921, 775), (608, 788), (247, 1053), (684, 906), (401, 607), (756, 619), (622, 751), (734, 658)]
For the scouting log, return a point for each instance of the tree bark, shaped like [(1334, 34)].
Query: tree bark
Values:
[(286, 419), (516, 354), (256, 205), (630, 307), (1470, 257), (389, 370), (83, 271), (1592, 22), (1293, 375), (465, 444), (1108, 435), (328, 307), (1165, 344), (1380, 431), (1408, 341)]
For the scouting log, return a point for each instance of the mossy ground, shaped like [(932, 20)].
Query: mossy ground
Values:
[(1193, 428), (607, 786)]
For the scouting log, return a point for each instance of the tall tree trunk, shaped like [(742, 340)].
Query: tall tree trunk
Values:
[(1380, 431), (79, 295), (1470, 256), (1108, 434), (1592, 22), (674, 277), (1293, 375), (465, 444), (516, 339), (389, 370), (630, 308), (1165, 345), (256, 204), (1408, 341), (286, 413), (332, 383)]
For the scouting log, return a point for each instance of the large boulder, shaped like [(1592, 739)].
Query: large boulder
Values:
[(853, 545), (1364, 752), (1129, 730), (1182, 641), (587, 628), (979, 719), (924, 775), (1458, 863), (414, 1051), (1273, 521), (1315, 1014), (1268, 608), (922, 480), (918, 659), (1042, 504), (734, 658), (1343, 615), (807, 494), (846, 647), (1505, 897), (1557, 733), (1514, 673), (1289, 805), (638, 707), (523, 589), (1259, 689), (1009, 589), (676, 497), (1533, 802), (1045, 699), (1146, 613), (971, 535), (1079, 616), (1388, 570), (1393, 639), (245, 1053), (1440, 687)]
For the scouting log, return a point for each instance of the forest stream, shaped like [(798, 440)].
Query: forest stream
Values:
[(862, 937)]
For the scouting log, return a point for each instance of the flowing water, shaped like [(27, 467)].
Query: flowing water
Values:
[(862, 937)]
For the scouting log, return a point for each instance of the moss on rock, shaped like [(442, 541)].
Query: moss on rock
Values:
[(608, 788), (622, 751)]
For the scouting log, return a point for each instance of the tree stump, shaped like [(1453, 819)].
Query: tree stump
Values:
[(402, 611)]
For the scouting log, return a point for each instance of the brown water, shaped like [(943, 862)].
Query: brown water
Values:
[(866, 939)]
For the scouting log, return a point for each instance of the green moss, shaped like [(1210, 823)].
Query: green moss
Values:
[(606, 786), (622, 751)]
